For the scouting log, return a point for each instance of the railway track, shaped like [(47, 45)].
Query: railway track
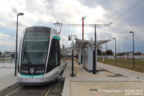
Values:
[(51, 89)]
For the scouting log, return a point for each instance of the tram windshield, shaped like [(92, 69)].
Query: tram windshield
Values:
[(35, 47)]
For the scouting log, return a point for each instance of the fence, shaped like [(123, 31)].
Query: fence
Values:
[(139, 57), (7, 60)]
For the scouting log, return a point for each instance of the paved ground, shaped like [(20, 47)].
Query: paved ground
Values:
[(81, 72), (122, 71), (109, 81), (7, 77), (107, 89), (6, 68)]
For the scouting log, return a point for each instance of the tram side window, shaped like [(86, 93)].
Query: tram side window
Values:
[(54, 55)]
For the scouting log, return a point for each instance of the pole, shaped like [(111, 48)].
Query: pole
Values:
[(125, 48), (16, 46), (11, 59), (133, 53), (115, 53), (72, 65), (63, 50), (106, 51), (72, 69), (94, 55), (82, 28)]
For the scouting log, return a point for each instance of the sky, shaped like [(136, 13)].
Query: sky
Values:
[(125, 15)]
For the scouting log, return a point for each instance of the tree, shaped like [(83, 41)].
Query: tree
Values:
[(121, 54), (0, 54), (109, 52), (99, 52), (138, 53)]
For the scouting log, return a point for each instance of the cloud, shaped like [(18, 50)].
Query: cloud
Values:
[(66, 11), (126, 15), (6, 42), (4, 35)]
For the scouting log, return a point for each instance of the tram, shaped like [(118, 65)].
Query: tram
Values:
[(39, 56)]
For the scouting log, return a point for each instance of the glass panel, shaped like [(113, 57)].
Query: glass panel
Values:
[(54, 55), (35, 46), (36, 36)]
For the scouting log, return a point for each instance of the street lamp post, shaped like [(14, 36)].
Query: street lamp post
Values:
[(115, 51), (125, 47), (133, 50), (19, 14), (95, 54), (70, 38)]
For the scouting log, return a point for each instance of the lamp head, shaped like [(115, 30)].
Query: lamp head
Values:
[(131, 32), (20, 14)]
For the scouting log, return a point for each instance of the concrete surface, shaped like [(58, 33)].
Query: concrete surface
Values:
[(110, 81), (7, 77), (106, 89)]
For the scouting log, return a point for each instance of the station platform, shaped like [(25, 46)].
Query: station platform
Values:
[(7, 77), (108, 81)]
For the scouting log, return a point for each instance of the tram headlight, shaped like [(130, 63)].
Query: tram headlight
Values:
[(24, 71)]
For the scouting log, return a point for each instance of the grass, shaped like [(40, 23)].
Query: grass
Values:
[(139, 64)]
